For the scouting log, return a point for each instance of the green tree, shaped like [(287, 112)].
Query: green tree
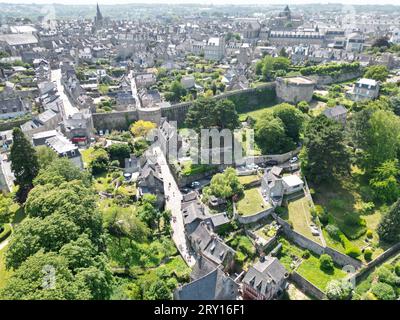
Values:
[(176, 92), (270, 135), (120, 152), (324, 153), (383, 291), (158, 291), (384, 183), (124, 222), (339, 290), (24, 164), (377, 72), (292, 119), (389, 226), (61, 170), (5, 211), (99, 281), (382, 138), (34, 234), (206, 113), (70, 199), (28, 282), (225, 115), (46, 156), (225, 185), (100, 161), (148, 211), (326, 262), (303, 106), (80, 253)]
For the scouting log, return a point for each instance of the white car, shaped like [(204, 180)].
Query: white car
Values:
[(294, 160), (195, 184)]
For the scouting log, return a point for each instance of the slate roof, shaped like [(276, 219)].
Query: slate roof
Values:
[(335, 111), (213, 286), (18, 39), (202, 267), (61, 144), (266, 276)]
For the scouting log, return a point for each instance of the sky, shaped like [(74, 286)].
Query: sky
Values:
[(216, 2)]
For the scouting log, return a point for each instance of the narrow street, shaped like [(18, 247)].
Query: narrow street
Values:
[(69, 109), (173, 203)]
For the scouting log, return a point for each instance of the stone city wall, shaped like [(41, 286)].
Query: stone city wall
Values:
[(306, 286), (338, 257)]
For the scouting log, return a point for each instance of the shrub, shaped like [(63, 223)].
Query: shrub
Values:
[(306, 254), (290, 224), (303, 106), (5, 232), (333, 232), (386, 275), (280, 210), (326, 262), (397, 269), (368, 254), (370, 234), (353, 251), (339, 290), (324, 219), (383, 291)]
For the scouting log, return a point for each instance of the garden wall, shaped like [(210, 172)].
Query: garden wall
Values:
[(338, 257), (306, 286), (254, 217), (378, 260), (277, 157)]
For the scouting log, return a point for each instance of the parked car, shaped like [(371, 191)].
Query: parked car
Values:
[(271, 163), (195, 184), (294, 160)]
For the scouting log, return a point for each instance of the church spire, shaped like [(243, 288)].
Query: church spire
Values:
[(99, 16)]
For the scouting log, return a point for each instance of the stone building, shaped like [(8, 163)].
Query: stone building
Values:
[(215, 49), (295, 89), (266, 280), (364, 89)]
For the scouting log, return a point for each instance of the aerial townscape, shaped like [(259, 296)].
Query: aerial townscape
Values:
[(199, 151)]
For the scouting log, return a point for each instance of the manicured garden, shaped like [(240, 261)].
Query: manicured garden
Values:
[(251, 202)]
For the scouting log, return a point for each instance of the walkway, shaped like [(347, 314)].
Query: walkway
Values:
[(69, 109), (173, 203)]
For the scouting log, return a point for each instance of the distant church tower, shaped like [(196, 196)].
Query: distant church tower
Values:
[(98, 20)]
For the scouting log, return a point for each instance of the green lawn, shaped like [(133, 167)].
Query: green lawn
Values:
[(256, 114), (248, 179), (87, 156), (251, 203), (310, 270), (299, 213)]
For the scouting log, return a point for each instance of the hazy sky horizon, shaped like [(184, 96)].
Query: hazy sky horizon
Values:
[(216, 2)]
